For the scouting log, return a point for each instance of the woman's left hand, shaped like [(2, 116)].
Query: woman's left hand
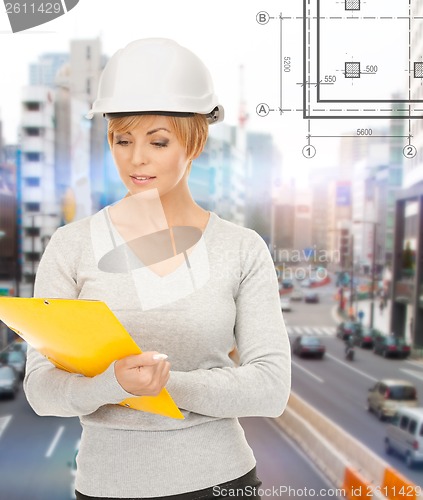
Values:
[(143, 374)]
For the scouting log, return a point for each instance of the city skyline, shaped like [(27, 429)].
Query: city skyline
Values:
[(223, 35)]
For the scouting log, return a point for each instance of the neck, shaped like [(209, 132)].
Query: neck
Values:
[(177, 206), (181, 210)]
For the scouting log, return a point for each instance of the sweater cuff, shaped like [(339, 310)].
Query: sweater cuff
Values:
[(177, 388)]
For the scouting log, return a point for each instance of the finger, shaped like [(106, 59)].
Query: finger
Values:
[(151, 384), (147, 358)]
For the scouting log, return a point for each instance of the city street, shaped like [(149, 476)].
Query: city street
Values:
[(339, 388), (41, 449), (36, 452)]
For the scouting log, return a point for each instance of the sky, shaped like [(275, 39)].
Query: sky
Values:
[(224, 34), (220, 33)]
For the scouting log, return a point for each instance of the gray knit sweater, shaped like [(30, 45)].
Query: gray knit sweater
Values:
[(228, 294)]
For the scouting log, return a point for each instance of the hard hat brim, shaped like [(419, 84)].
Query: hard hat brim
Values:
[(110, 116), (215, 116)]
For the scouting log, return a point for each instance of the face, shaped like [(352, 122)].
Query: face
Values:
[(150, 156)]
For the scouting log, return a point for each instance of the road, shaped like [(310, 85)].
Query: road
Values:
[(284, 470), (338, 388), (35, 453)]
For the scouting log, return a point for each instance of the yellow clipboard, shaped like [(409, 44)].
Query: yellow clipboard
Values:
[(79, 336)]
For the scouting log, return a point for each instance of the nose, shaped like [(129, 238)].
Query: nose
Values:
[(139, 154)]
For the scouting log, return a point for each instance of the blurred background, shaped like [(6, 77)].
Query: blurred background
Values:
[(345, 228)]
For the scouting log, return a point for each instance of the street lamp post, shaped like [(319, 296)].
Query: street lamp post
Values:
[(373, 273), (372, 304), (344, 264), (352, 275)]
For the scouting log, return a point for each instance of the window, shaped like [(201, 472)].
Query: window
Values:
[(33, 256), (402, 393), (88, 53), (32, 181), (32, 232), (404, 422), (310, 341), (412, 427), (32, 207), (32, 156), (33, 131), (32, 106)]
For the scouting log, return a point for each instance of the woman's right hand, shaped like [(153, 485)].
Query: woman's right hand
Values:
[(143, 374)]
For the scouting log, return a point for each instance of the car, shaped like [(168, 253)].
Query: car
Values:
[(17, 359), (305, 283), (347, 328), (19, 345), (287, 284), (308, 345), (388, 395), (311, 297), (9, 381), (391, 347), (404, 435), (297, 294), (365, 336), (286, 304)]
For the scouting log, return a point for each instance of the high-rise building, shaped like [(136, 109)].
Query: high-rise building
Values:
[(407, 273), (292, 223), (44, 71), (262, 179), (217, 178), (320, 181), (80, 143), (9, 265), (86, 64), (372, 178), (8, 230), (39, 203), (62, 152)]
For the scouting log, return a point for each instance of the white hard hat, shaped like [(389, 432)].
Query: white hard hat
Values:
[(156, 76)]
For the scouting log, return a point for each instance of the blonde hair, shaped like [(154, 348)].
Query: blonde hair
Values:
[(190, 131)]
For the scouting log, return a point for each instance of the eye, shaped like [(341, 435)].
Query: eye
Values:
[(160, 144), (122, 142)]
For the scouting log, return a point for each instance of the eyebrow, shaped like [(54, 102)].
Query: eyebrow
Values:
[(150, 132)]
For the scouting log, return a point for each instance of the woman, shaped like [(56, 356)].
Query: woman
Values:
[(186, 307)]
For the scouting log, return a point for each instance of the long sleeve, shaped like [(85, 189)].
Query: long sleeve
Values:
[(49, 390), (238, 302), (260, 385)]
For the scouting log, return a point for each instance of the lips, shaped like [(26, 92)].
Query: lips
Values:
[(142, 180), (143, 177)]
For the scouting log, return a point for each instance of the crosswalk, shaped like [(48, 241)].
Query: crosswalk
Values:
[(321, 331)]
